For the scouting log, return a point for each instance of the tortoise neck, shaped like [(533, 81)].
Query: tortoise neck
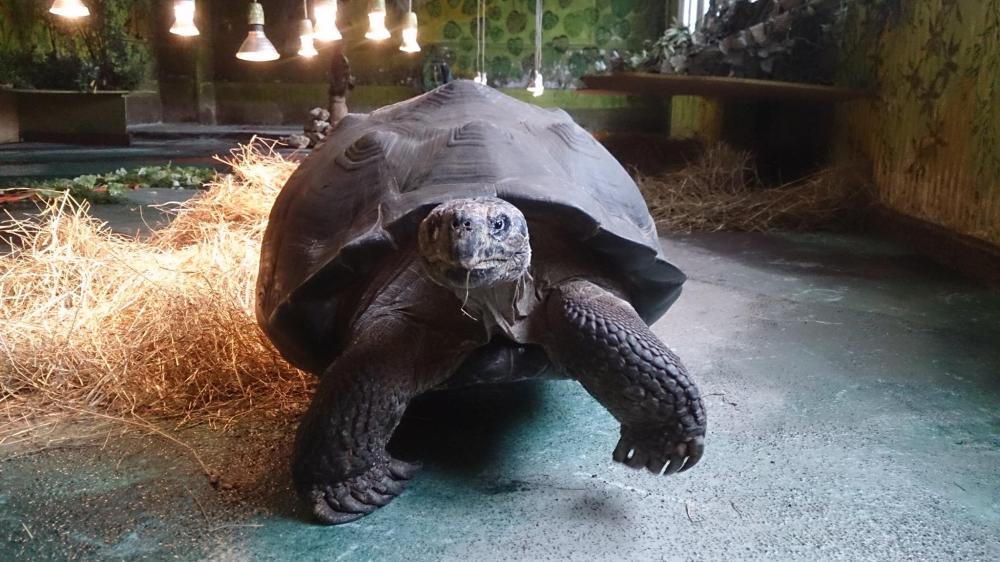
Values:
[(502, 307)]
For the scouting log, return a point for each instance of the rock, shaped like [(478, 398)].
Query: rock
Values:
[(319, 114), (296, 141), (316, 137), (315, 125)]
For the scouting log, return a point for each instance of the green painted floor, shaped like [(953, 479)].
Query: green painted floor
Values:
[(854, 414)]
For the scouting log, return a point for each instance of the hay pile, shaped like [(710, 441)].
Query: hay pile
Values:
[(93, 322), (721, 191)]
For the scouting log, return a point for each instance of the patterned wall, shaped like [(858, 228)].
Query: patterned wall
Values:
[(577, 34), (933, 135)]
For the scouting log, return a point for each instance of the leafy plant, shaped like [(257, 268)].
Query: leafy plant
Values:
[(660, 55), (112, 186)]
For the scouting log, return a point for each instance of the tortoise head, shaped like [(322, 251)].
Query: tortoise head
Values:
[(472, 243)]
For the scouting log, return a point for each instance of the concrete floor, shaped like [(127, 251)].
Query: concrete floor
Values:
[(854, 414)]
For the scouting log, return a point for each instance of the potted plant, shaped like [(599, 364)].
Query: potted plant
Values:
[(71, 78)]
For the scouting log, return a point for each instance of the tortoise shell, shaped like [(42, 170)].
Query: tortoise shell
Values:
[(359, 198)]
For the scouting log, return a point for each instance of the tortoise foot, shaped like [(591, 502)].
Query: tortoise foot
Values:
[(352, 498), (659, 450)]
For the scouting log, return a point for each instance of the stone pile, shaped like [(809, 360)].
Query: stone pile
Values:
[(315, 131)]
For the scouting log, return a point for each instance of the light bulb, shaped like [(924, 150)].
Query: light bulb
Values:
[(184, 19), (256, 47), (537, 86), (376, 22), (69, 9), (307, 48), (410, 34), (326, 21)]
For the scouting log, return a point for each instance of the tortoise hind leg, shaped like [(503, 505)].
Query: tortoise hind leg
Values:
[(600, 340), (340, 464)]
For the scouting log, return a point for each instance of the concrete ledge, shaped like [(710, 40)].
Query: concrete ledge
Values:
[(143, 107), (73, 117), (10, 127)]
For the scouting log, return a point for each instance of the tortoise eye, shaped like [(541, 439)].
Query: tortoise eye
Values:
[(500, 223)]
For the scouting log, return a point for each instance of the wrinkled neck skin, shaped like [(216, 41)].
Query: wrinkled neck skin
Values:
[(503, 307)]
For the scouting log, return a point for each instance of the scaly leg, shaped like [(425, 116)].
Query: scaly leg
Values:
[(600, 340), (405, 344)]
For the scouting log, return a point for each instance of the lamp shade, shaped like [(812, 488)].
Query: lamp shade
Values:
[(307, 48), (376, 22), (256, 47), (184, 19), (326, 21), (69, 9), (410, 44)]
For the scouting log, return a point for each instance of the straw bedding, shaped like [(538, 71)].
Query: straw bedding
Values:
[(721, 191), (93, 322)]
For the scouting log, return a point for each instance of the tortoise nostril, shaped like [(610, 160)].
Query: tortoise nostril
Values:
[(461, 223)]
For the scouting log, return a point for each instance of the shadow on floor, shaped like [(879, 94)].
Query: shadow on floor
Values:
[(460, 431)]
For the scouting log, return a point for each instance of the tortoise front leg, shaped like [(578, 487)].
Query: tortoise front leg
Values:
[(599, 339), (340, 464)]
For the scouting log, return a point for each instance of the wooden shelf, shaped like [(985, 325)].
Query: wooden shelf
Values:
[(715, 87)]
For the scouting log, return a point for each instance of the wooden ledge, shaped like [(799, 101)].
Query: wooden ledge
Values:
[(716, 87)]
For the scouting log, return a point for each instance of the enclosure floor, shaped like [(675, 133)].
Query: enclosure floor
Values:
[(853, 394)]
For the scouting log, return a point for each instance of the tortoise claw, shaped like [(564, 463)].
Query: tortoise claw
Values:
[(352, 498), (658, 451), (402, 469)]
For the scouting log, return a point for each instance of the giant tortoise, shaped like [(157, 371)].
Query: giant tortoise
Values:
[(462, 237)]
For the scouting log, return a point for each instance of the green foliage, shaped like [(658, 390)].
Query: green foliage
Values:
[(622, 28), (602, 36), (105, 51), (675, 40), (112, 186)]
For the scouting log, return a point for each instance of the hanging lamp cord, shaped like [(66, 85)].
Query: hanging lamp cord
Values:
[(538, 36), (482, 34), (479, 38)]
